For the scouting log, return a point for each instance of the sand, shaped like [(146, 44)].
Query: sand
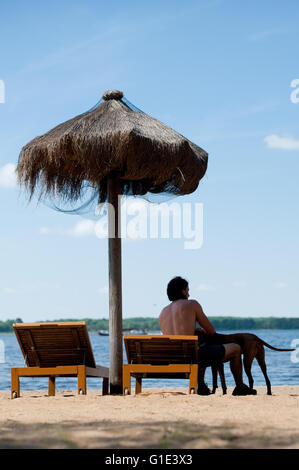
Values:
[(165, 418)]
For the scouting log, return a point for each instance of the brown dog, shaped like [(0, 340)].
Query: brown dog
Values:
[(252, 347)]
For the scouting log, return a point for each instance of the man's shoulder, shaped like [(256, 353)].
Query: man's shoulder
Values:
[(193, 302), (188, 306), (164, 310)]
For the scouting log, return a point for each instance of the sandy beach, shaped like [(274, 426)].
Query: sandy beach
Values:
[(165, 418)]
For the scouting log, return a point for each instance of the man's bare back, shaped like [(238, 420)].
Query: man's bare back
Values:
[(179, 318)]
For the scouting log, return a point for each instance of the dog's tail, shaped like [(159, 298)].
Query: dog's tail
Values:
[(272, 347)]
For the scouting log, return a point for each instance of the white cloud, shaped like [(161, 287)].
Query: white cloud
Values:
[(84, 228), (280, 285), (285, 143), (8, 178), (9, 290), (265, 34), (44, 230), (205, 287), (239, 284), (103, 290)]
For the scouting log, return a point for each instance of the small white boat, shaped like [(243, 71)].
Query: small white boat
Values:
[(103, 333), (134, 331), (125, 331)]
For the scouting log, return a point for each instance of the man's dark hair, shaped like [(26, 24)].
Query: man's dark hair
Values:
[(175, 288)]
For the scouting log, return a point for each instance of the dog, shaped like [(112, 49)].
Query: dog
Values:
[(252, 348)]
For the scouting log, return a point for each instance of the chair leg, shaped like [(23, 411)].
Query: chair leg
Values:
[(193, 378), (15, 383), (105, 386), (126, 380), (51, 386), (81, 380), (138, 385)]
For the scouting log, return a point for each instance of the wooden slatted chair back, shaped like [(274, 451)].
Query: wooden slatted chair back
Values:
[(55, 344), (161, 349)]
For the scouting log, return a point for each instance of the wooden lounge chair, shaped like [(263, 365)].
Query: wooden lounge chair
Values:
[(160, 356), (53, 350)]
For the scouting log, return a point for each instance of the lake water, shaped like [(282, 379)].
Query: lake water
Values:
[(282, 367)]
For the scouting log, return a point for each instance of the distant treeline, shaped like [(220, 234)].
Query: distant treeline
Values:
[(6, 326), (152, 324)]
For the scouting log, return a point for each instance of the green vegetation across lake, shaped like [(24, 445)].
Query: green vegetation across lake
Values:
[(151, 324)]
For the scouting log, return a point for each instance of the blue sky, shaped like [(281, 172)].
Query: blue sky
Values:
[(220, 73)]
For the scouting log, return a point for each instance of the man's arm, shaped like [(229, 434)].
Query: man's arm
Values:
[(203, 319)]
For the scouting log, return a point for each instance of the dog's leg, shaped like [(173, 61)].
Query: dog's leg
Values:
[(247, 363), (260, 357), (214, 375), (202, 388), (222, 377), (200, 376)]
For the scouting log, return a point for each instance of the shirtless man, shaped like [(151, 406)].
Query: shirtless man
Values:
[(179, 318)]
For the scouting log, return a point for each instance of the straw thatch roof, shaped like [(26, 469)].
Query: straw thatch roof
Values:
[(111, 139)]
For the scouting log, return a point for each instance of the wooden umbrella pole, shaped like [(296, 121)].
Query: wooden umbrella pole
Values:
[(115, 288)]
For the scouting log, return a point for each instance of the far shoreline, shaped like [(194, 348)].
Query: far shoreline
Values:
[(221, 323)]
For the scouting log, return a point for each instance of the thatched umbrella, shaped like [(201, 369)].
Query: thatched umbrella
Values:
[(118, 150)]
